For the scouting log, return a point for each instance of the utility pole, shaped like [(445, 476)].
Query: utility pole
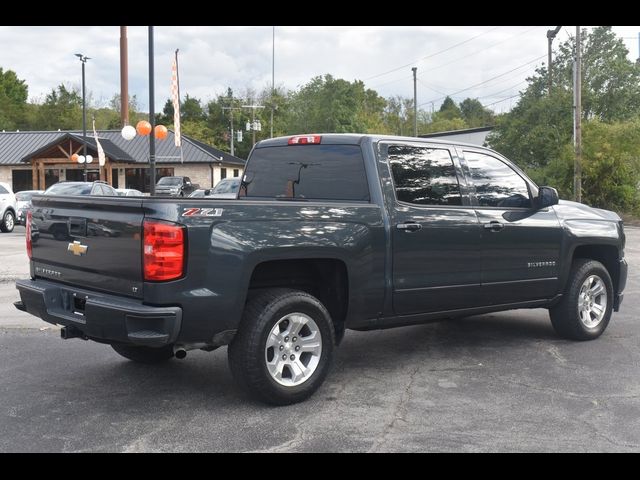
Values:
[(577, 167), (231, 110), (273, 75), (254, 126), (551, 34), (415, 102)]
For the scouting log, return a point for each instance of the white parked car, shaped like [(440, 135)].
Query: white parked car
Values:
[(129, 192), (23, 204), (7, 208)]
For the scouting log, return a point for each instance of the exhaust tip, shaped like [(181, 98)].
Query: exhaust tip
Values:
[(180, 353)]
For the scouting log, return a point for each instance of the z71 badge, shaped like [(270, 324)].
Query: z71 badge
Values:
[(202, 212)]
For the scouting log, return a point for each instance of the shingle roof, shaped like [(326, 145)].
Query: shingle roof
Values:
[(17, 147)]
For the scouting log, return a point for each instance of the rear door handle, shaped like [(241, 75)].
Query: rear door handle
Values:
[(494, 226), (409, 226)]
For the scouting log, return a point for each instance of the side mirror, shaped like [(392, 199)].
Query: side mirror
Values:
[(207, 192), (547, 196)]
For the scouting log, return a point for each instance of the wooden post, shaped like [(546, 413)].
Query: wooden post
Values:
[(34, 175)]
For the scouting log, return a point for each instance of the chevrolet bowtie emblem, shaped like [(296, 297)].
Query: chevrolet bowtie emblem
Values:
[(77, 248)]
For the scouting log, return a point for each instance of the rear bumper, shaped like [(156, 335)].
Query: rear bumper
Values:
[(99, 316)]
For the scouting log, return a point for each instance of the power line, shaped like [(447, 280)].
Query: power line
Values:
[(504, 99), (431, 88), (459, 58), (481, 50), (432, 55), (502, 91), (487, 80)]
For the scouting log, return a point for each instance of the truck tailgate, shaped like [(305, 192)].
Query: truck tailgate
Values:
[(89, 241)]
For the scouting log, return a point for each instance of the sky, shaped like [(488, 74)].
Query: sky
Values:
[(485, 62)]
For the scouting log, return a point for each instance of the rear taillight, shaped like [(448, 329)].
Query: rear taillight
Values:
[(28, 234), (163, 250), (305, 140)]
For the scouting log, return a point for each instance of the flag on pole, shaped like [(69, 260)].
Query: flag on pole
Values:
[(101, 157), (175, 97)]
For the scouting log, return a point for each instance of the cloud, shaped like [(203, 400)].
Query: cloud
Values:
[(214, 58)]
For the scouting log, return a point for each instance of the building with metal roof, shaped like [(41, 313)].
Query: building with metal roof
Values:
[(36, 160)]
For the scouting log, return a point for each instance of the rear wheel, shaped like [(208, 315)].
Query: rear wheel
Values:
[(284, 346), (586, 306), (141, 354), (8, 222)]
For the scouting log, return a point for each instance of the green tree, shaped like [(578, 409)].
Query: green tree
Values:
[(474, 114), (327, 104), (449, 110), (62, 109), (537, 133), (13, 100), (114, 122)]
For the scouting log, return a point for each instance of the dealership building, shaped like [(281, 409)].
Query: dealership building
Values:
[(37, 160)]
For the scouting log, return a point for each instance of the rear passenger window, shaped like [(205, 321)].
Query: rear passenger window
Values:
[(424, 176), (306, 172)]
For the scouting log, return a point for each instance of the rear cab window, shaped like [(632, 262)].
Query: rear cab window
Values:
[(306, 172)]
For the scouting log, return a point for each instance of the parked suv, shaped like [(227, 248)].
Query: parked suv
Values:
[(175, 186), (7, 208)]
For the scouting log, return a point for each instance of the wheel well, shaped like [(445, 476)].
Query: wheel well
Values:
[(605, 254), (326, 279)]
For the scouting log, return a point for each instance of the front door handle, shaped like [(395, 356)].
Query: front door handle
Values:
[(494, 226), (409, 226)]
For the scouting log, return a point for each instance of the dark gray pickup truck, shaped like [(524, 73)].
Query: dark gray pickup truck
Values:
[(329, 232)]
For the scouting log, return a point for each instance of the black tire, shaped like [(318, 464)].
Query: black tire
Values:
[(247, 351), (141, 354), (8, 222), (564, 315)]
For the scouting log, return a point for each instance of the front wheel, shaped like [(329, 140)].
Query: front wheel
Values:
[(8, 222), (585, 309), (141, 354), (284, 346)]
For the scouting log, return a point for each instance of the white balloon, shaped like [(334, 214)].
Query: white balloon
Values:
[(80, 158), (128, 132), (89, 159)]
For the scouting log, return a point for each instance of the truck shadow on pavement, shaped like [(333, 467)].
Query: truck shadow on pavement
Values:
[(203, 380)]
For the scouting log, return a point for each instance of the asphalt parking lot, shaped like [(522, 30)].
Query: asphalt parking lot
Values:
[(498, 382)]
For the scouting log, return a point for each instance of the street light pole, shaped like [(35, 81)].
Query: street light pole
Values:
[(273, 75), (152, 120), (415, 103), (551, 34), (84, 59)]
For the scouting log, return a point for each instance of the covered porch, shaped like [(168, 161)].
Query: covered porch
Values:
[(52, 162)]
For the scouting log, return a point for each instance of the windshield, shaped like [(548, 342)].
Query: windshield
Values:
[(170, 181), (24, 196), (69, 189), (227, 186), (197, 193)]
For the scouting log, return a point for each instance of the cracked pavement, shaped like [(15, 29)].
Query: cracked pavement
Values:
[(497, 382)]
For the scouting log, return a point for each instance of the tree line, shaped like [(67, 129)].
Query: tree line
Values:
[(324, 104), (537, 133)]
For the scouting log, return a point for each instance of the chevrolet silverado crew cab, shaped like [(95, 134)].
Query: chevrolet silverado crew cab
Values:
[(329, 232)]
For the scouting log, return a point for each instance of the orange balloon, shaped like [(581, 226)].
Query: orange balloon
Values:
[(161, 132), (74, 157), (143, 127)]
